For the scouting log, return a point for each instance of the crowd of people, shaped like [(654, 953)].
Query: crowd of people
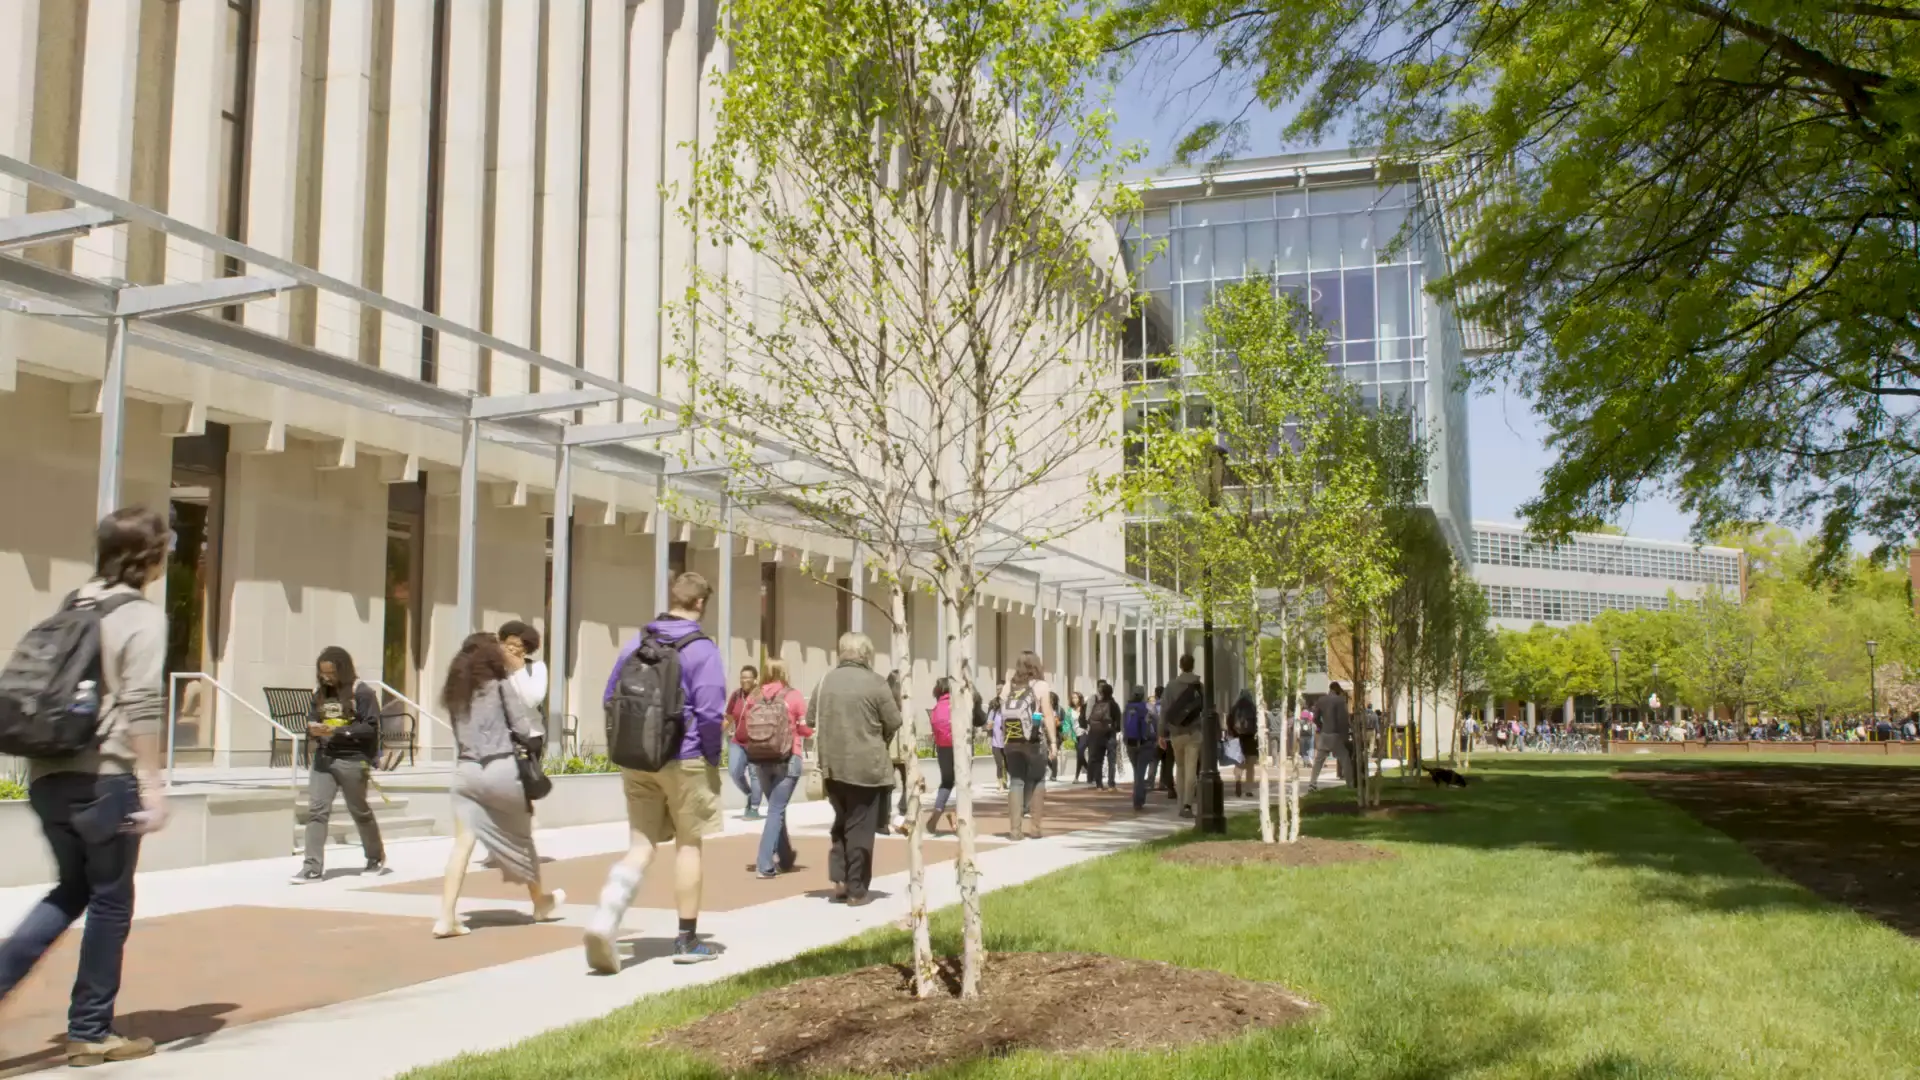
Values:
[(101, 792)]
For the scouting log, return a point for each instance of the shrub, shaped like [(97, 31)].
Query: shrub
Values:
[(577, 765), (12, 789)]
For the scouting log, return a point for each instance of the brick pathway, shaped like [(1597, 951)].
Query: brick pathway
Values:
[(244, 975)]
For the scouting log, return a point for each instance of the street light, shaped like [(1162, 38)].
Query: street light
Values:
[(1211, 815), (1606, 737), (1873, 686)]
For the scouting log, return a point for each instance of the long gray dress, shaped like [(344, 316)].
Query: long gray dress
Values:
[(487, 796)]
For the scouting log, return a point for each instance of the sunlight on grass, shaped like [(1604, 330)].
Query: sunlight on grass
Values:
[(1553, 923)]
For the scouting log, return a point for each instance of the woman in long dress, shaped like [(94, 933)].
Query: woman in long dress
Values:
[(489, 805)]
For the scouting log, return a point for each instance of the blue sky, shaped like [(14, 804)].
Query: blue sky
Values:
[(1161, 99)]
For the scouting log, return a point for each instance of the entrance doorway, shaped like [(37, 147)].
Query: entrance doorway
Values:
[(195, 509), (400, 643)]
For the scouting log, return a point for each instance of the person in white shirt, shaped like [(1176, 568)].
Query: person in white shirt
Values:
[(525, 675), (526, 678)]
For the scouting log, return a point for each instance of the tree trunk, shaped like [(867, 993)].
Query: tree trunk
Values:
[(925, 975), (961, 669), (1263, 767)]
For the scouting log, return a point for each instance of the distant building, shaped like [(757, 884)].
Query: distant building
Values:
[(1529, 582)]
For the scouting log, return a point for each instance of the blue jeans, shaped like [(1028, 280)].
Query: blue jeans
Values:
[(81, 815), (777, 780), (1141, 755), (744, 778)]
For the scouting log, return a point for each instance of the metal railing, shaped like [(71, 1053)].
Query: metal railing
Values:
[(418, 709), (173, 722)]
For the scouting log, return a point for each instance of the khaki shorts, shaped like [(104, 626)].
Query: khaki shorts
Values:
[(680, 801)]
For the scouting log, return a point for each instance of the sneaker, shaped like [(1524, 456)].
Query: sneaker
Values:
[(1186, 811), (603, 951), (859, 899), (305, 877), (751, 815), (693, 951), (378, 867), (81, 1055)]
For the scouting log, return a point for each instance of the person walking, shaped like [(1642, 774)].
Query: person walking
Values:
[(1075, 718), (95, 805), (903, 749), (997, 739), (1163, 763), (343, 732), (1066, 733), (772, 736), (744, 778), (1029, 711), (1102, 725), (1180, 730), (680, 803), (1243, 725), (1136, 729), (856, 716), (941, 721), (1334, 737), (492, 725), (526, 675)]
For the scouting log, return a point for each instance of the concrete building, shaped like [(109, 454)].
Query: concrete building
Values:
[(369, 293), (1528, 582)]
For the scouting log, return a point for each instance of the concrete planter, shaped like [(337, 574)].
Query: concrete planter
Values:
[(582, 799)]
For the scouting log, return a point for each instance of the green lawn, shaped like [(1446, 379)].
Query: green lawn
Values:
[(1557, 923)]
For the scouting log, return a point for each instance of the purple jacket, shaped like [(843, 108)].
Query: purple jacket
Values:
[(701, 678)]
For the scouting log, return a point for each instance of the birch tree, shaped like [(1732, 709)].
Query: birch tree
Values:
[(921, 299)]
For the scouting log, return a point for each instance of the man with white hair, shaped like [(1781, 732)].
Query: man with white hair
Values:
[(853, 715)]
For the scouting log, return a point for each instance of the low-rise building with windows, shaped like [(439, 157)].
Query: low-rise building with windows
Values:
[(1528, 582)]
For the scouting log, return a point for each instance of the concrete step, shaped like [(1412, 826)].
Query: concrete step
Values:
[(391, 806), (340, 830)]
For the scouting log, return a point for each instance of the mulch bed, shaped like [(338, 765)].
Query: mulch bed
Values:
[(868, 1022), (1849, 833), (1306, 851), (1385, 809)]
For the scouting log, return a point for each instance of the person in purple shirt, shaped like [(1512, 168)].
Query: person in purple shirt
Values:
[(680, 804)]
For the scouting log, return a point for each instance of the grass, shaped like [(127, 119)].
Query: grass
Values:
[(1556, 923)]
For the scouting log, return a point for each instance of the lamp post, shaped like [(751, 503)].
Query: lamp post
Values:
[(1873, 686), (1211, 815), (1606, 737)]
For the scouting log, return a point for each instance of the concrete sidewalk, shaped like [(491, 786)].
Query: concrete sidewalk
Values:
[(248, 976)]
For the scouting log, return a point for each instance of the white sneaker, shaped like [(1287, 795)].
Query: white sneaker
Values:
[(603, 952)]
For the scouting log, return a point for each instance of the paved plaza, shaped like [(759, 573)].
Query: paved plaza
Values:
[(244, 975)]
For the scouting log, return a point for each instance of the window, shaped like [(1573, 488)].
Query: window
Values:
[(843, 608), (235, 95)]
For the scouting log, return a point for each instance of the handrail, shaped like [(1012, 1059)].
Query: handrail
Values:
[(173, 718), (417, 707)]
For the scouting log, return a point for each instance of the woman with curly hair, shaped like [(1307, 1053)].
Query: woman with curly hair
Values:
[(491, 723)]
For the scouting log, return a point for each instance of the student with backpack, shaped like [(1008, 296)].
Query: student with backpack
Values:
[(771, 734), (1029, 716), (1180, 714), (1243, 724), (664, 701), (343, 733), (1136, 730), (1102, 723), (82, 701), (743, 777)]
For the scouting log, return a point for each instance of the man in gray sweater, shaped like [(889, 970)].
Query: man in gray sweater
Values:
[(95, 805), (854, 715), (1335, 736)]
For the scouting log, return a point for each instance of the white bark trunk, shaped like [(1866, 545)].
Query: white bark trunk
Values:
[(1266, 754), (925, 975), (961, 670)]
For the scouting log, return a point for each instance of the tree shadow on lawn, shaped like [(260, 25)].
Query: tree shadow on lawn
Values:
[(1585, 811)]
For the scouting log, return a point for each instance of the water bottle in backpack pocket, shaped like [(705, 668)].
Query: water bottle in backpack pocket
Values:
[(50, 689), (646, 714)]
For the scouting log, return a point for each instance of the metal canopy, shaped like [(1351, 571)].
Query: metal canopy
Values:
[(161, 318)]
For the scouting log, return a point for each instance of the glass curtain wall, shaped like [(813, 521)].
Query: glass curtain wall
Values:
[(1345, 254)]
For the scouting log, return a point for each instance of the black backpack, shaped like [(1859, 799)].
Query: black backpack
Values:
[(1102, 718), (646, 714), (1184, 709), (50, 690)]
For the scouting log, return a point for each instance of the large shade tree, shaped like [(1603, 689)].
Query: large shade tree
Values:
[(1695, 224)]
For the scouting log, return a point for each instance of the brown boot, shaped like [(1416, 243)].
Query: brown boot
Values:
[(1037, 808), (113, 1048)]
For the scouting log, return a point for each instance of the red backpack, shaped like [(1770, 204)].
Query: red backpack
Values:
[(768, 729)]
